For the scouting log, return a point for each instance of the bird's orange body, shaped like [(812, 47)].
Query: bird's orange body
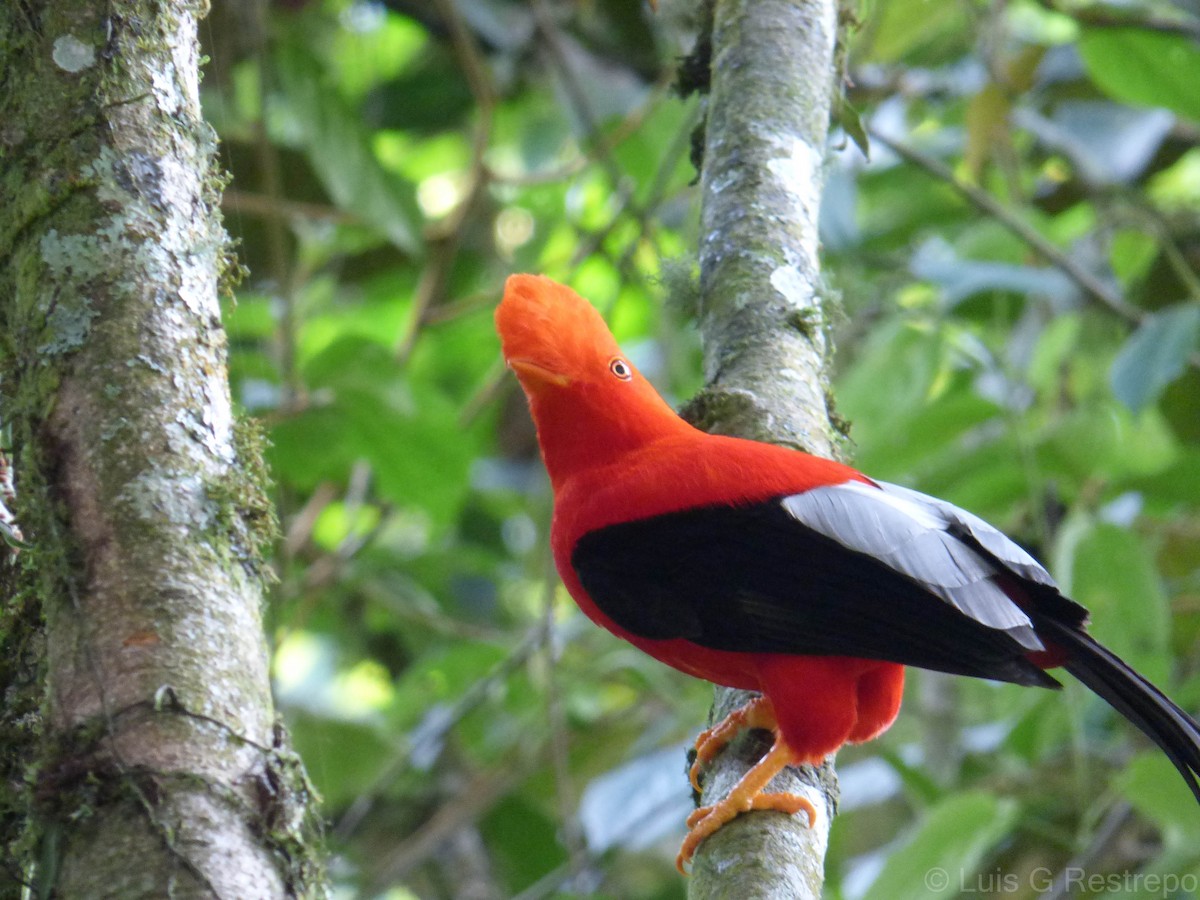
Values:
[(821, 702), (768, 569)]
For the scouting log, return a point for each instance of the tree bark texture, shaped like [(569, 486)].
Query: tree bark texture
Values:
[(160, 770), (761, 319)]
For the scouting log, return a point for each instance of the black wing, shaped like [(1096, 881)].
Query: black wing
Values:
[(871, 571), (846, 570)]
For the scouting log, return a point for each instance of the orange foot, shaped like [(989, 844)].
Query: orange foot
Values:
[(747, 793), (758, 713)]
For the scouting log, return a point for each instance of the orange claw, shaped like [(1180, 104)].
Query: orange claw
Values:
[(747, 793)]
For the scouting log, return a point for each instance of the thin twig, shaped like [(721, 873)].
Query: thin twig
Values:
[(621, 132), (269, 207), (1110, 829), (470, 699), (467, 805), (445, 239), (982, 200), (1176, 258), (560, 762), (279, 255), (552, 42), (1111, 17)]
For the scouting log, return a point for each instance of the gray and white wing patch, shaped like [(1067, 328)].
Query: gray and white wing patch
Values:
[(992, 540), (923, 538)]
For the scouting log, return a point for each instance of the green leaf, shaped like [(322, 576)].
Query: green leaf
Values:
[(1148, 68), (10, 539), (343, 758), (1106, 440), (850, 120), (909, 26), (523, 842), (1056, 345), (1040, 730), (339, 148), (442, 676), (430, 96), (889, 381), (919, 782), (365, 57), (406, 430), (250, 318), (1154, 787), (1155, 355), (1174, 487), (1112, 573), (942, 858), (1132, 253)]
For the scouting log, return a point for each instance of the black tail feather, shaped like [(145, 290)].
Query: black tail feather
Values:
[(1101, 670)]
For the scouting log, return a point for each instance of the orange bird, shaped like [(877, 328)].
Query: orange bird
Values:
[(767, 569)]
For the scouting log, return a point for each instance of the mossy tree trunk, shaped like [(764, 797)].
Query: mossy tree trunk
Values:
[(135, 618), (772, 82)]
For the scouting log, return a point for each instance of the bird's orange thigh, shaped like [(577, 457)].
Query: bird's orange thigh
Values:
[(880, 690), (815, 700)]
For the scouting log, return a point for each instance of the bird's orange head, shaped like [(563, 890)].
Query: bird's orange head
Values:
[(587, 399), (553, 338)]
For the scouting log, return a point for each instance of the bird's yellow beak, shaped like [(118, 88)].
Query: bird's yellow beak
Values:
[(538, 373)]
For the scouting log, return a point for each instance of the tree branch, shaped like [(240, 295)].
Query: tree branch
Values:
[(141, 493), (762, 324)]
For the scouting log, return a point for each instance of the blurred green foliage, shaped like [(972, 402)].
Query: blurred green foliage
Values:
[(472, 735)]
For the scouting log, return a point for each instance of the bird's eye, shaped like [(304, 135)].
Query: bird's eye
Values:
[(620, 368)]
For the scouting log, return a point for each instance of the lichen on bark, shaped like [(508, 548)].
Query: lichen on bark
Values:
[(143, 499)]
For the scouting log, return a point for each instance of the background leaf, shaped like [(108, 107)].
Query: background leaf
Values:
[(941, 858), (339, 150), (1145, 67), (1156, 354)]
